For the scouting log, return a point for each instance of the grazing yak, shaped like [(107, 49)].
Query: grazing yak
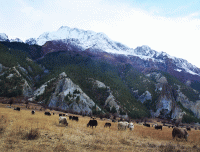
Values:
[(70, 117), (33, 112), (18, 108), (107, 124), (188, 129), (158, 127), (122, 125), (92, 123), (63, 120), (47, 113), (125, 122), (180, 133), (75, 118), (131, 126), (147, 125), (154, 125)]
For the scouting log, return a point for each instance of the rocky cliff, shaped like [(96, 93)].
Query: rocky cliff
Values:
[(67, 95), (13, 82), (171, 100)]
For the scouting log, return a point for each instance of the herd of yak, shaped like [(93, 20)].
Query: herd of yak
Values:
[(122, 125)]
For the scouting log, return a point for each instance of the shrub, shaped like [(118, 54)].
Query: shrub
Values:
[(32, 134), (113, 110)]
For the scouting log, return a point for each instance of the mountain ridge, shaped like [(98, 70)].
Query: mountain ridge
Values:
[(89, 40), (134, 84)]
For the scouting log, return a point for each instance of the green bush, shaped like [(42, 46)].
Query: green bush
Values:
[(189, 119)]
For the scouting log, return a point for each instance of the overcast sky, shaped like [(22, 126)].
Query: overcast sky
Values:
[(172, 26)]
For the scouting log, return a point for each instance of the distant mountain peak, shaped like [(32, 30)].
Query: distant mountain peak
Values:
[(16, 40), (145, 47), (3, 37), (145, 50), (63, 27), (31, 41)]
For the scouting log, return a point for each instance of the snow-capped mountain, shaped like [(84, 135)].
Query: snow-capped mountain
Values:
[(100, 42), (3, 37), (85, 39), (31, 41), (146, 53), (16, 40)]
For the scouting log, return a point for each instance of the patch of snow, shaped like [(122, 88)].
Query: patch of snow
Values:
[(3, 37), (179, 70), (16, 40)]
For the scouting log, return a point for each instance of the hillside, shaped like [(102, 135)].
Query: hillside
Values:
[(96, 82)]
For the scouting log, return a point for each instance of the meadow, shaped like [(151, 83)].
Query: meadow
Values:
[(22, 131)]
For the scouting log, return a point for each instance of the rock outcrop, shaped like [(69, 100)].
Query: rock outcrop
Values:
[(194, 106), (111, 101), (70, 96)]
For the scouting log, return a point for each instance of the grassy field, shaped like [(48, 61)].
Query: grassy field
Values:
[(22, 131)]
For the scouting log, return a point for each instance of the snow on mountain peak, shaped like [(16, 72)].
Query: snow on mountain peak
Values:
[(16, 40), (145, 47), (145, 51), (31, 41), (3, 37), (86, 39)]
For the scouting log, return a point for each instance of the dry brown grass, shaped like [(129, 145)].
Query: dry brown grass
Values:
[(23, 131)]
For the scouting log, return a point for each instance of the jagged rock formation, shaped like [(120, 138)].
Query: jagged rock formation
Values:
[(110, 100), (18, 84), (166, 103), (145, 96), (194, 106), (68, 96), (27, 90)]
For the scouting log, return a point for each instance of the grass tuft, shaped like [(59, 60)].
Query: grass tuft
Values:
[(168, 148), (32, 134)]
